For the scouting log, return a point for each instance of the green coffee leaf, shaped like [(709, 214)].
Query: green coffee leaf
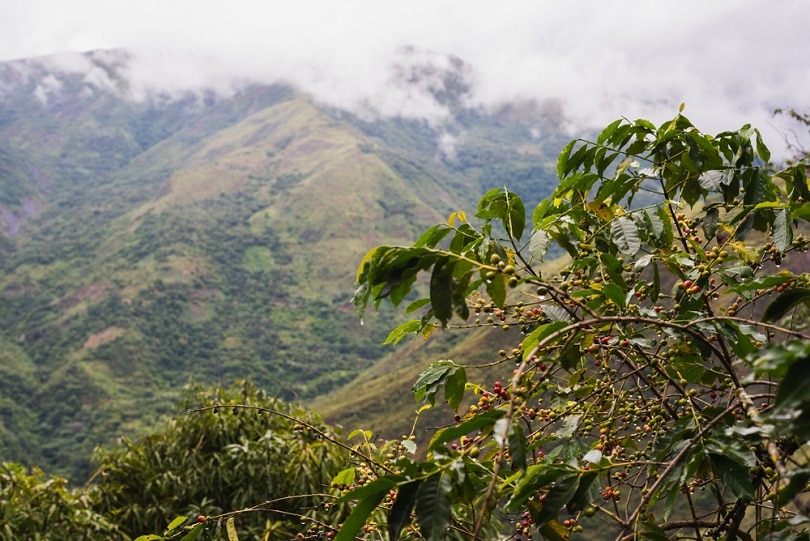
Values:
[(764, 282), (441, 287), (365, 492), (786, 301), (586, 493), (433, 236), (539, 243), (710, 220), (562, 160), (454, 384), (734, 475), (345, 477), (781, 231), (175, 524), (608, 131), (624, 232), (506, 206), (762, 150), (429, 381), (557, 497), (195, 532), (539, 334), (433, 506), (517, 447), (615, 294), (403, 330), (480, 421), (400, 514), (536, 477), (360, 513)]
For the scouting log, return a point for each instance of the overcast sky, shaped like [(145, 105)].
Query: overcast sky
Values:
[(730, 61)]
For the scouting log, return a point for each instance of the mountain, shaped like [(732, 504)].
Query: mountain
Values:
[(148, 241)]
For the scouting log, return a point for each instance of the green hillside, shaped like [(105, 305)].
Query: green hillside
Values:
[(143, 244)]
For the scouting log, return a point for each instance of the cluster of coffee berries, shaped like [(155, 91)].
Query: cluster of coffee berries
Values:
[(523, 525)]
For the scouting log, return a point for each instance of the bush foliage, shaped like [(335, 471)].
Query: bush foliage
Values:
[(34, 505), (234, 450), (658, 385)]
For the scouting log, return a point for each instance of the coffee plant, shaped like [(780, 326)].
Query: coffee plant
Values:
[(658, 387)]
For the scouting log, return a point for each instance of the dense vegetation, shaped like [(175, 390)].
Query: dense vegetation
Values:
[(200, 464), (656, 388), (649, 385), (143, 243)]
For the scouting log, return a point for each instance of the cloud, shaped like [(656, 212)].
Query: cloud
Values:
[(731, 61), (49, 85)]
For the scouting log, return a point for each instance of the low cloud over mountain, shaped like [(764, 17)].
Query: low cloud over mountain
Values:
[(731, 62)]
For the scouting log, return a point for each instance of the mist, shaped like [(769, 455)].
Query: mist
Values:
[(730, 62)]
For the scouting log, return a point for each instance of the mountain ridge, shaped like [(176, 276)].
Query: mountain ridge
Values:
[(207, 238)]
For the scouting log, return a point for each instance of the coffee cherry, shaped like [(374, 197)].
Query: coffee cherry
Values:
[(201, 518)]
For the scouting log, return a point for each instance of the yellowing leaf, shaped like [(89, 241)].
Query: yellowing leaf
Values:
[(601, 209), (362, 265), (623, 165), (746, 253), (554, 531), (231, 527), (462, 216)]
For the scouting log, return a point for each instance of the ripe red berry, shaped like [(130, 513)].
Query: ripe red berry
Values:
[(201, 518)]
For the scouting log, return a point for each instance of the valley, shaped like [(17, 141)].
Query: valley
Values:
[(147, 244)]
